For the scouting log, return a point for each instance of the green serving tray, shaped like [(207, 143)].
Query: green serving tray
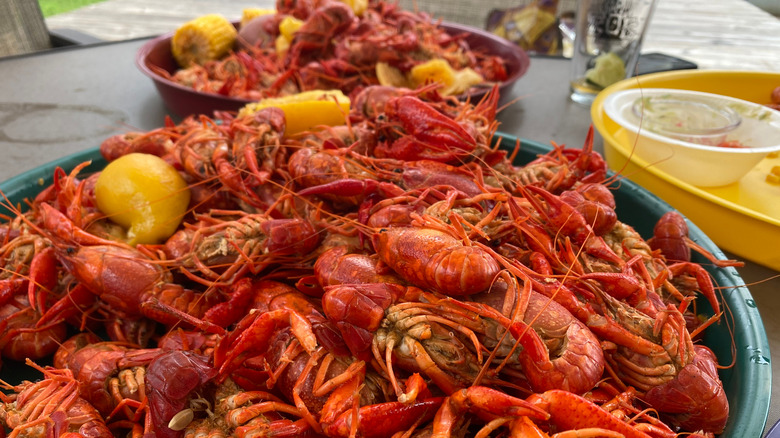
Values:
[(747, 383)]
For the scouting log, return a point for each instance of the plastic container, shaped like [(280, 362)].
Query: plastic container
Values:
[(684, 117), (703, 139), (743, 217)]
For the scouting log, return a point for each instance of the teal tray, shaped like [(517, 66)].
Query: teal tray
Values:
[(747, 384)]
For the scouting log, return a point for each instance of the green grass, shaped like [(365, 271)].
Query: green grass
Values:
[(54, 7)]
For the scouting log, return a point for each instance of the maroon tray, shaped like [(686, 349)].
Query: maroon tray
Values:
[(184, 101)]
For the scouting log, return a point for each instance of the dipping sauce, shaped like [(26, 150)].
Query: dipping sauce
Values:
[(688, 119)]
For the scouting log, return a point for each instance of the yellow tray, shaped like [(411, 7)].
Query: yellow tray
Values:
[(742, 218)]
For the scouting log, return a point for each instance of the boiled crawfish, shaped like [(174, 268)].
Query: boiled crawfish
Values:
[(221, 250), (50, 407), (395, 275)]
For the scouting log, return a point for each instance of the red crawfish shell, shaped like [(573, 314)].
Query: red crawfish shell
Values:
[(435, 260)]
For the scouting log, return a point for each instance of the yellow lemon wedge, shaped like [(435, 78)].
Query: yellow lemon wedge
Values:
[(440, 71), (306, 110), (608, 69), (435, 70), (288, 26), (388, 75), (282, 45), (144, 194), (464, 80)]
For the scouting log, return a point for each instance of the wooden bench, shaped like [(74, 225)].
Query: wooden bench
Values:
[(22, 28)]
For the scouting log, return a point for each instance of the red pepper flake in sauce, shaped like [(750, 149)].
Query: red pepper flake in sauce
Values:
[(730, 144)]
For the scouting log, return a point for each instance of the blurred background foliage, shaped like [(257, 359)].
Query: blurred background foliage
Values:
[(54, 7)]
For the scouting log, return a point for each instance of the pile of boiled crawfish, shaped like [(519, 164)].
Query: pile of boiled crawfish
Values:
[(395, 276), (333, 49)]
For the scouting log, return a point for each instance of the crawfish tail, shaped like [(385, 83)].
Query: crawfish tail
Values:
[(695, 399), (338, 266), (121, 276), (570, 411), (435, 260)]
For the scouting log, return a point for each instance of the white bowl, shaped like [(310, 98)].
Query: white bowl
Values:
[(757, 128)]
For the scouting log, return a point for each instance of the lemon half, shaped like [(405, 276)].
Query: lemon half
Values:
[(144, 194)]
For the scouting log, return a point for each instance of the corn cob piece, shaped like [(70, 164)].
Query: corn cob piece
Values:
[(203, 39), (357, 6), (250, 14)]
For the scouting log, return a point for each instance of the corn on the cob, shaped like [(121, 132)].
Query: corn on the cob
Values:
[(203, 39), (250, 14), (357, 6)]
